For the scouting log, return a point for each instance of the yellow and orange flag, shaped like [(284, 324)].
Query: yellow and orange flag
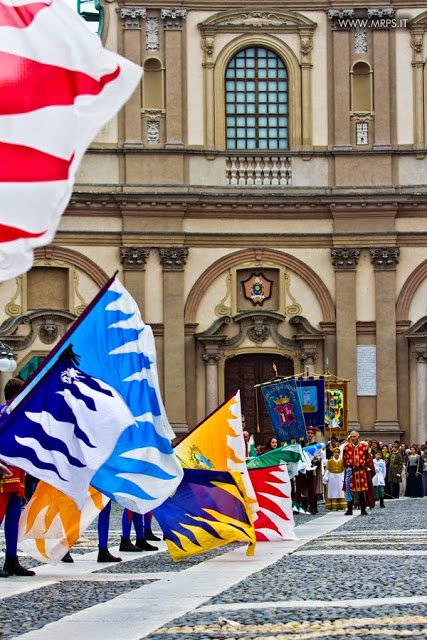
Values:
[(217, 443), (51, 522)]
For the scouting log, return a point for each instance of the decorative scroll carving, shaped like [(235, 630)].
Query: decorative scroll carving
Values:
[(134, 258), (345, 259), (362, 116), (173, 18), (385, 257), (221, 309), (417, 40), (153, 131), (152, 34), (132, 17), (211, 358), (295, 308), (306, 44), (13, 309), (173, 258), (78, 310), (48, 325), (259, 331)]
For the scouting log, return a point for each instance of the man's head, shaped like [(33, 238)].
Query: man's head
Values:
[(310, 432), (354, 437), (12, 387)]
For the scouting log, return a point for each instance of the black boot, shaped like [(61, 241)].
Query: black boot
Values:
[(13, 568), (382, 505), (4, 574), (67, 558), (126, 545), (105, 556), (149, 535), (141, 543), (349, 511), (362, 502)]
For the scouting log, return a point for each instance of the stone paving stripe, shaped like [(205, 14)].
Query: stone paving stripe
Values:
[(312, 604), (142, 611), (361, 552)]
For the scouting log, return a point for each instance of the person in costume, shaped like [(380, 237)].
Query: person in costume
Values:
[(395, 469), (333, 479), (414, 483), (379, 477), (12, 491), (305, 483), (356, 456)]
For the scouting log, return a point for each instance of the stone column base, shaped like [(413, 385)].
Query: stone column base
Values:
[(387, 425), (179, 427), (353, 425), (387, 430)]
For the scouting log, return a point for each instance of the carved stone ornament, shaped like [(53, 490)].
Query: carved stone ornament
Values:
[(417, 40), (360, 40), (211, 358), (208, 45), (173, 18), (259, 332), (153, 131), (132, 17), (134, 258), (235, 20), (306, 44), (152, 34), (362, 116), (385, 257), (257, 19), (340, 13), (48, 333), (173, 258), (381, 12), (345, 259)]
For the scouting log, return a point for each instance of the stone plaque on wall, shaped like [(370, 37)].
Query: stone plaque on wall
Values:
[(366, 370)]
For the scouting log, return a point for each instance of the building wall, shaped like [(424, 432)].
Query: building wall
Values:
[(344, 233)]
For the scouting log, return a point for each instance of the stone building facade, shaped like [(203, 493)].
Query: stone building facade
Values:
[(263, 196)]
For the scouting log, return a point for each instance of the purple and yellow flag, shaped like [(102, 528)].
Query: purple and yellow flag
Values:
[(208, 510), (217, 443)]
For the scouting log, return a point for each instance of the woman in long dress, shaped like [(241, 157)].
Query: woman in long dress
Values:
[(414, 483), (333, 479)]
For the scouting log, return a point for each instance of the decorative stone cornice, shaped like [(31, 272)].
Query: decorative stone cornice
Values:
[(173, 18), (173, 258), (345, 259), (134, 258), (384, 258), (132, 17)]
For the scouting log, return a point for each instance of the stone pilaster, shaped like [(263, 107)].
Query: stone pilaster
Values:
[(417, 44), (306, 42), (131, 18), (172, 19), (341, 89), (420, 355), (345, 263), (133, 260), (384, 260), (211, 360), (173, 260), (381, 38)]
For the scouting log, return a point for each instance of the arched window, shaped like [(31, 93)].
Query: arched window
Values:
[(256, 94)]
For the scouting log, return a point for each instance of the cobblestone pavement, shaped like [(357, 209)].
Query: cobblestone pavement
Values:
[(359, 577)]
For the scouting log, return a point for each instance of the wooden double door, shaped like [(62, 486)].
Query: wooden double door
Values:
[(243, 372)]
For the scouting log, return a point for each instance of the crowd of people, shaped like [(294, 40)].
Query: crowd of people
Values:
[(357, 472)]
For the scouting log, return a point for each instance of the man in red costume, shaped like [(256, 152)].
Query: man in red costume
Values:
[(356, 456)]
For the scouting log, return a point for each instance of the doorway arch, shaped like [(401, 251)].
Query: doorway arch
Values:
[(245, 370)]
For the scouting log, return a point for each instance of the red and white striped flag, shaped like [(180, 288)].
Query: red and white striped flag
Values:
[(58, 87), (274, 520)]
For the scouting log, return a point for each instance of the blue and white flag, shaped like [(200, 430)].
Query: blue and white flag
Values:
[(115, 345), (65, 429)]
